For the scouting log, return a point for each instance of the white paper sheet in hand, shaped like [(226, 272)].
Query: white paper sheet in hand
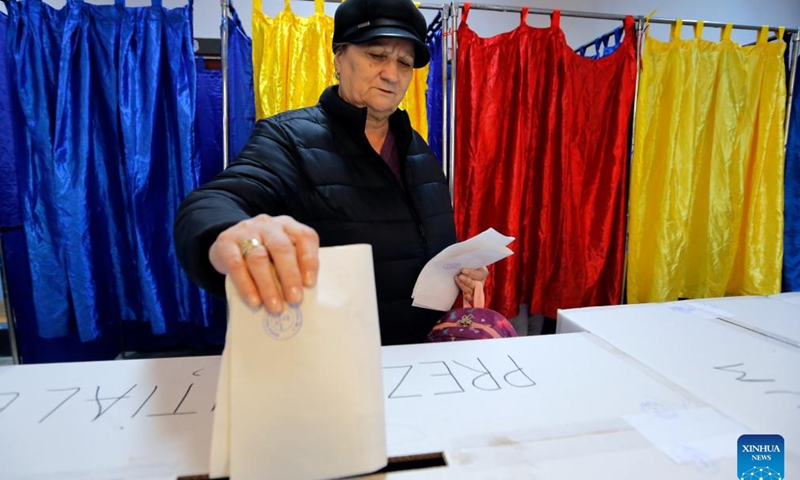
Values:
[(305, 398), (435, 288)]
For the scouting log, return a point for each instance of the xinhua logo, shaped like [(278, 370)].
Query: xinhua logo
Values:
[(761, 457)]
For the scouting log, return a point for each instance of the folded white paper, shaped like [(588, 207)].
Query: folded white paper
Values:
[(435, 288), (305, 398)]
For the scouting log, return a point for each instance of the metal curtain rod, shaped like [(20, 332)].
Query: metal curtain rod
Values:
[(611, 16), (424, 6), (544, 11), (225, 6), (737, 26)]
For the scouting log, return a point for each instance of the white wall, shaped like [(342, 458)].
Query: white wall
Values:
[(577, 31)]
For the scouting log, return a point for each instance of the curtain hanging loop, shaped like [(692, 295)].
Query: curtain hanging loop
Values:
[(287, 5), (781, 32), (763, 34), (257, 6), (156, 3), (626, 24), (555, 19), (319, 7), (523, 17), (698, 30), (465, 13), (675, 31), (726, 32)]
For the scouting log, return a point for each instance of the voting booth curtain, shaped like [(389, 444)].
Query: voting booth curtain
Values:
[(551, 170), (9, 195), (105, 97), (436, 104), (241, 106), (602, 44), (791, 236), (293, 64), (241, 99), (706, 206)]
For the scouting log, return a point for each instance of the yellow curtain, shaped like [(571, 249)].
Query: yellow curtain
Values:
[(292, 58), (706, 200), (414, 102), (293, 64)]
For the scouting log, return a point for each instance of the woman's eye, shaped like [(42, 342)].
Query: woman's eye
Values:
[(376, 56)]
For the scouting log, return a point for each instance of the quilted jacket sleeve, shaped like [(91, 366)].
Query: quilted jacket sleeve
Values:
[(260, 180)]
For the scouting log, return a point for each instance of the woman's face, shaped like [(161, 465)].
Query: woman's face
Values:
[(375, 74)]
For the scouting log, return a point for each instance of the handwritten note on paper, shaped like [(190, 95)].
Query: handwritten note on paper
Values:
[(435, 288), (306, 397)]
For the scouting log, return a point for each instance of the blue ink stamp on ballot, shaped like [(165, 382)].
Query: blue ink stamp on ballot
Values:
[(284, 325), (760, 457)]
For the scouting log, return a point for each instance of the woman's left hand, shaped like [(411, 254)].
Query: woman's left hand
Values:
[(466, 280)]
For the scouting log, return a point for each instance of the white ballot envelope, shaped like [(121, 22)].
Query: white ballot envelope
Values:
[(300, 394), (435, 288)]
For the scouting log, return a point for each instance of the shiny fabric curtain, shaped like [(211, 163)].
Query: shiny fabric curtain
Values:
[(435, 97), (791, 236), (241, 100), (706, 207), (108, 97), (601, 44), (9, 193), (241, 107), (208, 122), (293, 64), (542, 141)]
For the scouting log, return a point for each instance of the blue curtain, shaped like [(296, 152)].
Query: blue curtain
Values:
[(601, 44), (241, 103), (107, 102), (9, 198), (435, 97), (791, 234), (208, 123), (157, 110), (241, 100)]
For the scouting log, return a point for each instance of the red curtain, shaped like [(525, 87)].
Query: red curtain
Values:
[(542, 155)]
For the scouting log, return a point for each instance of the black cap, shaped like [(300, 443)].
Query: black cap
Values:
[(359, 21)]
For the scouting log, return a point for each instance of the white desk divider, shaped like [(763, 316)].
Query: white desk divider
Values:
[(462, 394), (777, 316), (746, 375), (788, 297), (152, 418), (100, 420)]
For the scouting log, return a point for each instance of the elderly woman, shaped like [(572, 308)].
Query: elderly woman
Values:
[(347, 170)]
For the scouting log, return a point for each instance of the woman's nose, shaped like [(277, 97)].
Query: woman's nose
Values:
[(390, 71)]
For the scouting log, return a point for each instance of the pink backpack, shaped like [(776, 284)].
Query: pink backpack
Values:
[(471, 323)]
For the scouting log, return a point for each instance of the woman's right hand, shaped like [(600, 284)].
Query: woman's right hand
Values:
[(288, 252)]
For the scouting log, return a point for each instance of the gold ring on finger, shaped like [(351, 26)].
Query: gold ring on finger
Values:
[(249, 245)]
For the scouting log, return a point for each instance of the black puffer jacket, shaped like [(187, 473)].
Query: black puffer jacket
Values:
[(316, 165)]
